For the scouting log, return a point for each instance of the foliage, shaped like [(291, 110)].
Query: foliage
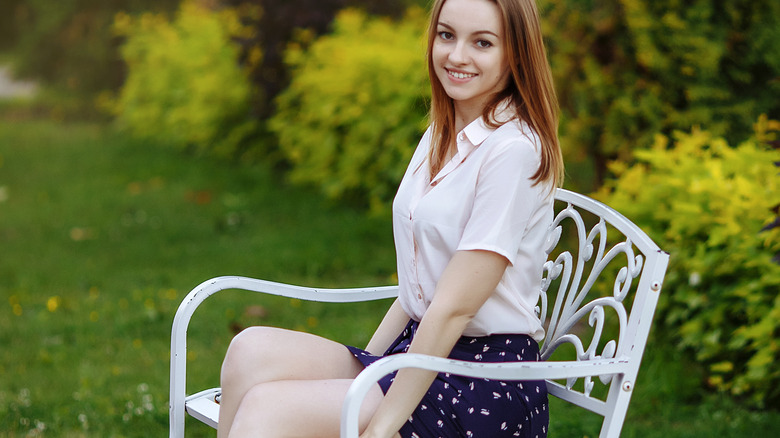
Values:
[(354, 110), (69, 43), (277, 26), (709, 205), (184, 85), (627, 69)]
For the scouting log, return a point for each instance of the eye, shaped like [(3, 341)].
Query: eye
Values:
[(446, 35), (484, 44)]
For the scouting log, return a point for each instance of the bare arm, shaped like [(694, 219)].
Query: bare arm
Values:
[(394, 321), (467, 282)]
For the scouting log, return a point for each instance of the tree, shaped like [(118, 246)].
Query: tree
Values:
[(69, 43)]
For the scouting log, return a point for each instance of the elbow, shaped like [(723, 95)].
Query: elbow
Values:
[(452, 317)]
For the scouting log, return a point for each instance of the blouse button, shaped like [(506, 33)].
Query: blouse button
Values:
[(419, 296)]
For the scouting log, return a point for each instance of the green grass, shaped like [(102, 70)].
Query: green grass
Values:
[(101, 236)]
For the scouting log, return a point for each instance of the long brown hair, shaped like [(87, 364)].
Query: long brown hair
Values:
[(530, 89)]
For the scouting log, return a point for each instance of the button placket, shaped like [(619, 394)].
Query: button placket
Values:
[(414, 269), (415, 247)]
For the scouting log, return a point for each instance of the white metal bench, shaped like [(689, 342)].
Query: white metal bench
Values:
[(600, 284)]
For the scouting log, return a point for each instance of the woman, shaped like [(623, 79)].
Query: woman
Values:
[(469, 222)]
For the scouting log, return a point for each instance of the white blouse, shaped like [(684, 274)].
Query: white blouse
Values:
[(483, 199)]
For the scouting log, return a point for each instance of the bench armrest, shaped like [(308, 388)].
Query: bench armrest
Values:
[(210, 287), (499, 371)]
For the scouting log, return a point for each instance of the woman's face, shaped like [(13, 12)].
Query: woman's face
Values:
[(468, 53)]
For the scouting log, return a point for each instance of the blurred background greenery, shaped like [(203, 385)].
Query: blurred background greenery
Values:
[(155, 144)]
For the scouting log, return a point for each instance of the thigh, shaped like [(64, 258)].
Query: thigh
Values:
[(305, 408), (278, 354)]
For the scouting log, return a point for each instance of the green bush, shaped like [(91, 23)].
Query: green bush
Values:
[(184, 84), (355, 107), (277, 26), (710, 206), (627, 69)]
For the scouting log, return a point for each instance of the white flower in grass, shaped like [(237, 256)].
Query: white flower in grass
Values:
[(694, 279)]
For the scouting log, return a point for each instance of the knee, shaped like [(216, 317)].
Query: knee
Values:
[(247, 352)]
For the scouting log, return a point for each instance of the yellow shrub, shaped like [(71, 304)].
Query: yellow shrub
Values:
[(184, 84), (711, 206), (355, 109)]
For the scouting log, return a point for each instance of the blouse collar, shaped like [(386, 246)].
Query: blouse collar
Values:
[(478, 130)]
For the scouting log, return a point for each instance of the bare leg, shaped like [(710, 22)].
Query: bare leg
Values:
[(298, 409), (261, 355)]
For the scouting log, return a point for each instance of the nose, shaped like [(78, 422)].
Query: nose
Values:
[(458, 54)]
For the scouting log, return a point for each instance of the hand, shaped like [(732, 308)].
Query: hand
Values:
[(369, 434)]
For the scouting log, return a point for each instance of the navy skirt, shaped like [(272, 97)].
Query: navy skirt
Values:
[(458, 406)]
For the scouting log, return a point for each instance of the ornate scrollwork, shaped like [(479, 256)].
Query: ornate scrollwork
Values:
[(576, 276)]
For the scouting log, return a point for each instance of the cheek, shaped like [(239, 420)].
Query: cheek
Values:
[(438, 54), (499, 71)]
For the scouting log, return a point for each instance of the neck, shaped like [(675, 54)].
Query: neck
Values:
[(464, 116), (466, 111)]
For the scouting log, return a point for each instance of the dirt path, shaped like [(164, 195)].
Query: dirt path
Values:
[(11, 88)]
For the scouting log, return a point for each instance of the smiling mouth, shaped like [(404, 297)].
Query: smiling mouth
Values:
[(459, 75)]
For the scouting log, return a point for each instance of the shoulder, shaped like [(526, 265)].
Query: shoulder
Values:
[(514, 139), (516, 133)]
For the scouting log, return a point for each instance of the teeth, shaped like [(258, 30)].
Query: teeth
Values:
[(462, 75)]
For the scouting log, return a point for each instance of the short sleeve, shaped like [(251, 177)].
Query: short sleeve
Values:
[(505, 198)]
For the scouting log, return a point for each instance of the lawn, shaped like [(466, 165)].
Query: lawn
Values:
[(102, 235)]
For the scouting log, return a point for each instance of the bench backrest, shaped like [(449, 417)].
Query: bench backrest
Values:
[(600, 288)]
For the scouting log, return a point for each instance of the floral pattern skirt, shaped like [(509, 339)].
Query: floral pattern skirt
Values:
[(458, 406)]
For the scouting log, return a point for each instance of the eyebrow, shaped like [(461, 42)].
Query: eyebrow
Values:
[(479, 32)]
